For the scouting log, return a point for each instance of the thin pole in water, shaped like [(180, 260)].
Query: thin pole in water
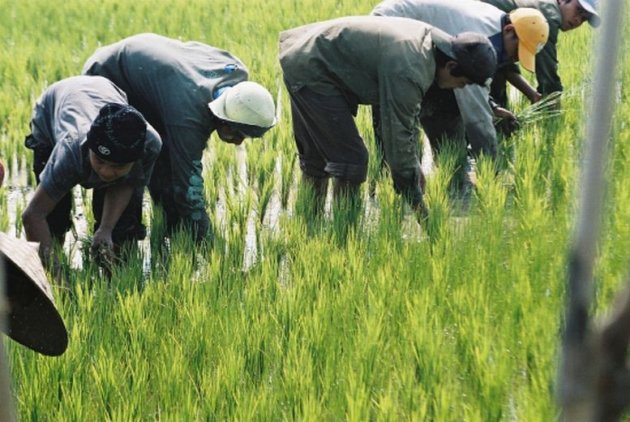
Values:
[(583, 360)]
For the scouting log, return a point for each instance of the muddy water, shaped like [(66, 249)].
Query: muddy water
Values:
[(19, 193)]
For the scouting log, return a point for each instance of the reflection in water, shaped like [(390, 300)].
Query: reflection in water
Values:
[(19, 193)]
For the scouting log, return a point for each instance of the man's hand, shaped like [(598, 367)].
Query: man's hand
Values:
[(509, 120), (421, 211), (102, 248), (535, 97), (418, 205)]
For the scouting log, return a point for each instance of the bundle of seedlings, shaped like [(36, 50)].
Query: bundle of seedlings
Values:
[(546, 108)]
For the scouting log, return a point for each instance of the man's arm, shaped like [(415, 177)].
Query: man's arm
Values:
[(547, 67), (35, 224), (116, 200), (520, 83), (185, 152), (400, 107), (477, 116)]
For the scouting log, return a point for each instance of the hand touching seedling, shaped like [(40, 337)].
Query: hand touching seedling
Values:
[(102, 251)]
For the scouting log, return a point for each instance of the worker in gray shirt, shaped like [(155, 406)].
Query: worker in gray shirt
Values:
[(83, 132), (186, 90), (331, 67), (468, 113)]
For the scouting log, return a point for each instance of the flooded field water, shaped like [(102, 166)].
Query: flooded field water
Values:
[(19, 193)]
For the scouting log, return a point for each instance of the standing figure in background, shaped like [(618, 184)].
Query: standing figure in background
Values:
[(83, 132), (186, 90)]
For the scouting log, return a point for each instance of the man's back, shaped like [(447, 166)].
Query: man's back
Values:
[(359, 55), (169, 81), (68, 107), (451, 16), (454, 17), (62, 118)]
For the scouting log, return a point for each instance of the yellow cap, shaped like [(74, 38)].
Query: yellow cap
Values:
[(532, 31)]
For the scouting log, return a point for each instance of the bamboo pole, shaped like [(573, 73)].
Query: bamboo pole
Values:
[(582, 357)]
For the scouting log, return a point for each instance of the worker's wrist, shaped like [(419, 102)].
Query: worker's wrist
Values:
[(105, 229)]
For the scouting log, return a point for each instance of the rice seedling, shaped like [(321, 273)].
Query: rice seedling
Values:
[(288, 165), (545, 109)]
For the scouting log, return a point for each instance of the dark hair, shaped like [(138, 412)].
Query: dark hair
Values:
[(442, 58), (118, 133), (473, 54)]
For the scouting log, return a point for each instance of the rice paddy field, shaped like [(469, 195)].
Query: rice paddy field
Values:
[(360, 315)]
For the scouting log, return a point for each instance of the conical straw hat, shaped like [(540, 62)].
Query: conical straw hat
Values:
[(32, 318)]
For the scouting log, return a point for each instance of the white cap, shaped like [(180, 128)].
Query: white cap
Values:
[(591, 7), (245, 103)]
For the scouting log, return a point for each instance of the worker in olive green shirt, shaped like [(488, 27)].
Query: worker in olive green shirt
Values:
[(562, 15), (331, 67)]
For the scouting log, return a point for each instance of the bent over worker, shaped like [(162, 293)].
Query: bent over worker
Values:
[(83, 132), (331, 67), (186, 90), (562, 15), (468, 113)]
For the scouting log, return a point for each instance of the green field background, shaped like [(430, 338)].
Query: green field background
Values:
[(380, 320)]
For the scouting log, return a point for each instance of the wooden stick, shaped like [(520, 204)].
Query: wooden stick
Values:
[(582, 360), (613, 381)]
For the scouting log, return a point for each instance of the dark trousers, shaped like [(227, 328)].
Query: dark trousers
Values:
[(498, 92), (163, 188), (128, 228), (327, 138)]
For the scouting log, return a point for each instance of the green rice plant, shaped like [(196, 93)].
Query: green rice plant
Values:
[(215, 176), (548, 107), (4, 206), (310, 206), (238, 209), (158, 231), (265, 192), (287, 165), (265, 181), (491, 191), (448, 165), (347, 213), (391, 212), (19, 209)]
